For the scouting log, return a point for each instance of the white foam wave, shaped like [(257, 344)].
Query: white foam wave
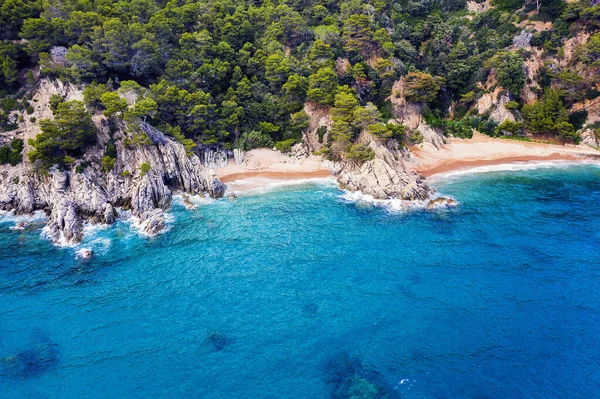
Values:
[(391, 205), (192, 201), (20, 222), (511, 167), (261, 185)]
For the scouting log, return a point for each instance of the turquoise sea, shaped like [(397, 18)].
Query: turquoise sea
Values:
[(298, 292)]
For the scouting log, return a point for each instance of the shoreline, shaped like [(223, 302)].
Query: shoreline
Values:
[(481, 150), (275, 175)]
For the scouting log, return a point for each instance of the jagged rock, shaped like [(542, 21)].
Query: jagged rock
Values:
[(70, 198), (215, 187), (231, 195), (441, 202), (501, 113), (387, 176), (589, 137), (214, 157), (85, 253), (152, 221), (238, 156), (431, 136), (65, 226), (523, 39)]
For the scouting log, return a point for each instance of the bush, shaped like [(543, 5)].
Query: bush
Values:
[(67, 135), (144, 168), (11, 153), (360, 153), (285, 146), (321, 133), (509, 128), (421, 87), (108, 163), (459, 129)]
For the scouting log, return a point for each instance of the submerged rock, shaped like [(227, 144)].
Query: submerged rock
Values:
[(34, 361), (441, 202), (218, 341), (85, 253)]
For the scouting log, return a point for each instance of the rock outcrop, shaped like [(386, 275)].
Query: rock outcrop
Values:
[(387, 176), (70, 198)]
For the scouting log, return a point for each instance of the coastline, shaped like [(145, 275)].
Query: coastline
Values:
[(262, 167), (481, 150)]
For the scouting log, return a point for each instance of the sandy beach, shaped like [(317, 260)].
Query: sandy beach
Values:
[(261, 166), (483, 150)]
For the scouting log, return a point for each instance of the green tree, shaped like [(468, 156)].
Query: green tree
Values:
[(68, 134), (322, 86), (113, 103), (509, 71), (421, 87)]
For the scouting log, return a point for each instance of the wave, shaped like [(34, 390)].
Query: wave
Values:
[(262, 185), (20, 222), (511, 167), (391, 205)]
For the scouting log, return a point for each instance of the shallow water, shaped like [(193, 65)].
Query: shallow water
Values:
[(299, 293)]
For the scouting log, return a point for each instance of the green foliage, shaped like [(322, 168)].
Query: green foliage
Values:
[(67, 135), (359, 153), (459, 129), (11, 153), (217, 70), (285, 146), (509, 71), (188, 144), (144, 168), (108, 163), (421, 87), (322, 86), (113, 104), (509, 128), (548, 117)]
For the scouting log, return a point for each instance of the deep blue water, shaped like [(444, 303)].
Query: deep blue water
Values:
[(298, 293)]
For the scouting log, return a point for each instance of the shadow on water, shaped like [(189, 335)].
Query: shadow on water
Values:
[(348, 377), (40, 357)]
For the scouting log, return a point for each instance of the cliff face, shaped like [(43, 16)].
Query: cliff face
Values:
[(71, 198)]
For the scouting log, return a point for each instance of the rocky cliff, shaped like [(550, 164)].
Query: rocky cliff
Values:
[(72, 197)]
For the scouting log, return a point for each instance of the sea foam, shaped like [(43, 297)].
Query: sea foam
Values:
[(261, 185)]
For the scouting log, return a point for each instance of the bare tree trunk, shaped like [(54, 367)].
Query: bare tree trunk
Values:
[(538, 4)]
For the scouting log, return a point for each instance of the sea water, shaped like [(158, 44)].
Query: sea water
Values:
[(298, 292)]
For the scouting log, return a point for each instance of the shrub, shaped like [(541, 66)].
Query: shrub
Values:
[(421, 87), (509, 128), (285, 145), (321, 133), (459, 129), (68, 134), (108, 163), (360, 153), (79, 169), (512, 105), (11, 153), (144, 168)]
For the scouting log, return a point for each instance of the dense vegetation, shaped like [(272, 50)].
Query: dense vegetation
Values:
[(237, 73)]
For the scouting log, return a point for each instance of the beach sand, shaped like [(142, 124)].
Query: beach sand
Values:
[(263, 166), (483, 150)]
